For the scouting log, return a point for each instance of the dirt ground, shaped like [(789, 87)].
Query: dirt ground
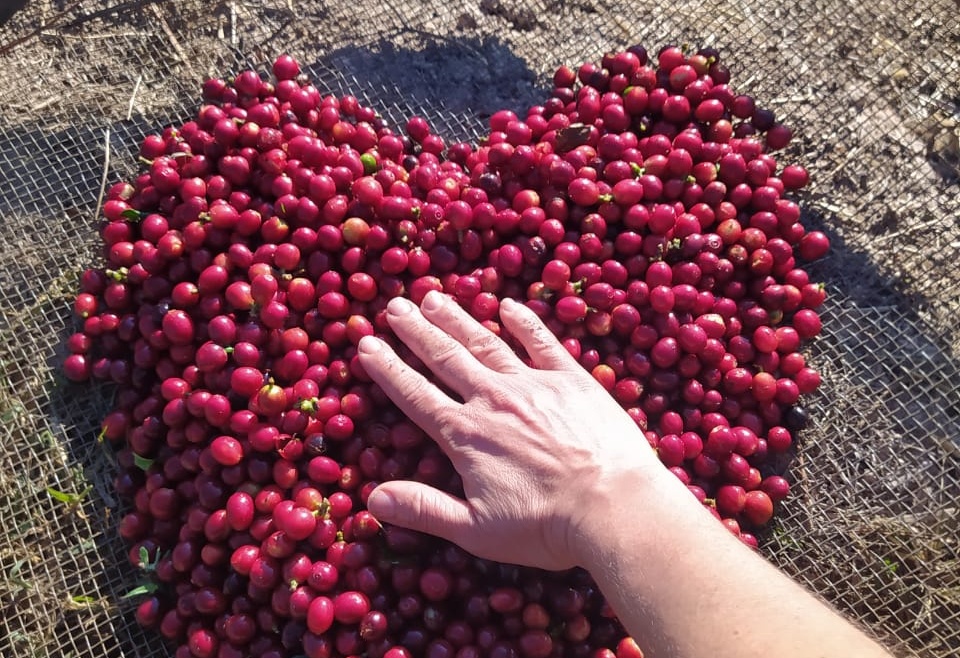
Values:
[(872, 92)]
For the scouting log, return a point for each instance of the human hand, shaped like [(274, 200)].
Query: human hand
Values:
[(538, 449)]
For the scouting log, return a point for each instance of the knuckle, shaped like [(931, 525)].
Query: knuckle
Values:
[(586, 385), (446, 421), (531, 321), (540, 334), (484, 343), (425, 511), (427, 402), (539, 331), (388, 360), (418, 392), (548, 345), (417, 509), (447, 352)]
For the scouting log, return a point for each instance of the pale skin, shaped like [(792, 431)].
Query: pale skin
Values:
[(557, 475)]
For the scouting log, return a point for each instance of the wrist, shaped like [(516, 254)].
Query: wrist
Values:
[(622, 506)]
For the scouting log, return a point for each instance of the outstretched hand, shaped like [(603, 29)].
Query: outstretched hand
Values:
[(537, 448), (552, 467)]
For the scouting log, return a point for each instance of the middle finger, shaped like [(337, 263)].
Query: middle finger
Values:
[(447, 358), (488, 348)]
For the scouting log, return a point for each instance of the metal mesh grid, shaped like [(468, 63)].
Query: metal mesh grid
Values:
[(872, 94)]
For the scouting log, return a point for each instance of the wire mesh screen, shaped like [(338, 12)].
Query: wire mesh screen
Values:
[(872, 91)]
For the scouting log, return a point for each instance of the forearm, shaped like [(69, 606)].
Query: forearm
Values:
[(683, 586)]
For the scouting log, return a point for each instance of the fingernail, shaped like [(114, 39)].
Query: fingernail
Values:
[(382, 504), (370, 345), (507, 302), (399, 306), (433, 300)]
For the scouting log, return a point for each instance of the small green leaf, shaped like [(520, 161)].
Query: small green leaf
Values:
[(82, 547), (68, 498), (143, 463), (132, 215), (59, 495), (83, 599), (146, 588), (47, 439), (146, 564), (15, 577)]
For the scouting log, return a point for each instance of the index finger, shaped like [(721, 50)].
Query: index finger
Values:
[(421, 401)]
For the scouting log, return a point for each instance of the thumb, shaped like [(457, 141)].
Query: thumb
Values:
[(422, 508)]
